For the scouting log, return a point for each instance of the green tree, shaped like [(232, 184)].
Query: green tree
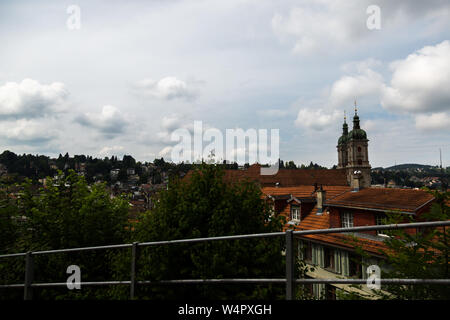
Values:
[(68, 214), (422, 255), (206, 206)]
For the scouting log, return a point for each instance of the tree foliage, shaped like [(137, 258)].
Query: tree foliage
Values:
[(206, 206), (67, 213)]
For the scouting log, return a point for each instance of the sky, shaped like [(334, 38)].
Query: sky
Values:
[(113, 77)]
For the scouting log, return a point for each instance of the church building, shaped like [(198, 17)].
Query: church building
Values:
[(353, 155)]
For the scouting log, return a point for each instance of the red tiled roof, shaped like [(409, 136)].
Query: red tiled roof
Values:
[(405, 200), (304, 191), (313, 221)]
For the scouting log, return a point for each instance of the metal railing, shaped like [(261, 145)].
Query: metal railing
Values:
[(289, 279)]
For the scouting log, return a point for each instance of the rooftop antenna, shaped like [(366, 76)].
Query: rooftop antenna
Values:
[(440, 158)]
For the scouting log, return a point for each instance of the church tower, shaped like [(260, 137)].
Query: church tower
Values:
[(353, 154)]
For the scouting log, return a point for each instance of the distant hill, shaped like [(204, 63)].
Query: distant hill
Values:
[(406, 166)]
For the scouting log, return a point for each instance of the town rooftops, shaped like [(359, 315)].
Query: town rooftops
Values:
[(382, 199), (287, 177), (302, 192)]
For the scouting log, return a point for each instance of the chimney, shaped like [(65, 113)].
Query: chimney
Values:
[(320, 194), (356, 181)]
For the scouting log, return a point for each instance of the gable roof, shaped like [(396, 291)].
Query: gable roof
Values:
[(383, 199)]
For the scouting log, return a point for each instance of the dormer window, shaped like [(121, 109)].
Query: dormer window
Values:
[(295, 213)]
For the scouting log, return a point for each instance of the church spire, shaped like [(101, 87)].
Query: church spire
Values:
[(356, 119), (345, 125)]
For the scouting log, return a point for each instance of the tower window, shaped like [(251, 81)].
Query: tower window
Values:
[(359, 149), (359, 161)]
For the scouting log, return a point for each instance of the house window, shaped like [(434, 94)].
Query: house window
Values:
[(347, 220), (328, 258), (295, 213), (379, 221)]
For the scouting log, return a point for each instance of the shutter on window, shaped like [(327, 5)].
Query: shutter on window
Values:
[(321, 256), (345, 263), (314, 254), (337, 260)]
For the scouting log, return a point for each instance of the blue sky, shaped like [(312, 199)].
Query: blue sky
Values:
[(136, 70)]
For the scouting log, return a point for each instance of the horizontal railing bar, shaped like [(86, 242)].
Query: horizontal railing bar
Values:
[(22, 254), (90, 283), (237, 237), (247, 236), (116, 246), (374, 228), (382, 281), (5, 286), (221, 281), (212, 281)]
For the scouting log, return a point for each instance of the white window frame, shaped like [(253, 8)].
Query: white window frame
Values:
[(295, 213), (347, 220), (378, 222)]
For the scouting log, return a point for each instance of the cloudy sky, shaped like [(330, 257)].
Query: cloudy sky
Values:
[(137, 70)]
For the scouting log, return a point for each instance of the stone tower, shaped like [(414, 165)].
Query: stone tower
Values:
[(353, 154)]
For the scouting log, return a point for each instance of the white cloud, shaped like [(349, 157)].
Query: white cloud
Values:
[(165, 152), (310, 27), (421, 82), (433, 122), (329, 24), (30, 99), (25, 131), (347, 88), (110, 121), (167, 88), (317, 119), (109, 151)]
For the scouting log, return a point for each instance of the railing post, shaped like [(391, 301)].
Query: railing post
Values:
[(29, 275), (133, 282), (289, 265)]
